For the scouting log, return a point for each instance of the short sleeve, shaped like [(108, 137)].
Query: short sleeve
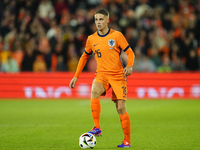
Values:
[(88, 49), (122, 42)]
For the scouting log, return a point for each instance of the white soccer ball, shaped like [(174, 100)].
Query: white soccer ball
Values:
[(87, 140)]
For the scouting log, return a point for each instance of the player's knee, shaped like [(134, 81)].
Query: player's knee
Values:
[(95, 92), (121, 109)]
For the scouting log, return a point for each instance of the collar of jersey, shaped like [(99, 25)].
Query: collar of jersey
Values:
[(104, 34)]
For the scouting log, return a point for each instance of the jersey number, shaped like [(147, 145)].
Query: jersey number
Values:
[(98, 53), (124, 91)]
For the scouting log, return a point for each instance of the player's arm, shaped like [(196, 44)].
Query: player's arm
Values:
[(131, 58), (123, 44), (81, 64)]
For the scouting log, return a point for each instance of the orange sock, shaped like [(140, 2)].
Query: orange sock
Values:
[(125, 122), (96, 109)]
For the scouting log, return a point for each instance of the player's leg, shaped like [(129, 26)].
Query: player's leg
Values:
[(96, 91), (125, 122), (119, 97)]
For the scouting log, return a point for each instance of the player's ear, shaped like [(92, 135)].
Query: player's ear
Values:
[(108, 20)]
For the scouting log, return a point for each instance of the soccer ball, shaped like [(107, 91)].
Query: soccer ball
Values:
[(87, 140)]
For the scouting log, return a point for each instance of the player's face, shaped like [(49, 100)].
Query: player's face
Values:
[(101, 21)]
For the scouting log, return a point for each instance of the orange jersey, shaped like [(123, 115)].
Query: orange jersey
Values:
[(107, 49)]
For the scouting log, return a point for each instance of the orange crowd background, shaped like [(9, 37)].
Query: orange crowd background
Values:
[(50, 35)]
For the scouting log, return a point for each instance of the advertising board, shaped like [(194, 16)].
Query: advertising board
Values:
[(140, 85)]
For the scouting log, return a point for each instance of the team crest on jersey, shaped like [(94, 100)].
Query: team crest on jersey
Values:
[(111, 42)]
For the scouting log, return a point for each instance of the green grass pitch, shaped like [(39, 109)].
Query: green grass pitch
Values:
[(57, 124)]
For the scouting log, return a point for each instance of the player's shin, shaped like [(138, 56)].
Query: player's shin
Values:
[(125, 122), (96, 109)]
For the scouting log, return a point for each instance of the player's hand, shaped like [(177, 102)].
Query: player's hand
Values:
[(127, 71), (73, 82)]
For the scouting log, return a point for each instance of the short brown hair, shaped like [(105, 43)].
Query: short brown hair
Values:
[(103, 12)]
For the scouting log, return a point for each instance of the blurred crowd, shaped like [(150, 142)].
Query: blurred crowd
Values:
[(50, 35)]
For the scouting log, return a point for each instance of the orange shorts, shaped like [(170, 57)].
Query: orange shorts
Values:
[(119, 85)]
